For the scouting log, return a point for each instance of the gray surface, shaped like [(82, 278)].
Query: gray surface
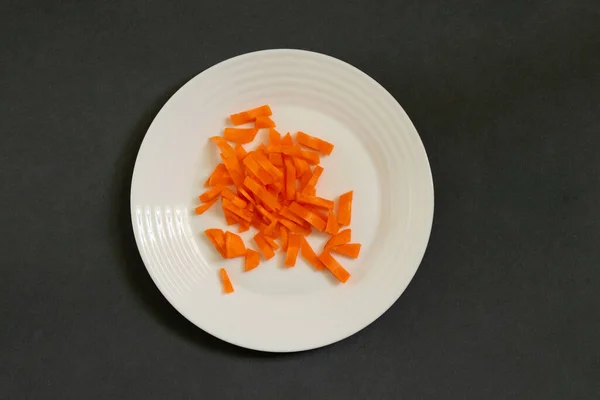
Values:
[(507, 101)]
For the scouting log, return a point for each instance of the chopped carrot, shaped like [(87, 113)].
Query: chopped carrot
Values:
[(345, 208), (287, 140), (227, 286), (295, 228), (315, 201), (312, 183), (263, 176), (264, 247), (218, 172), (264, 122), (244, 226), (285, 212), (314, 143), (294, 242), (235, 199), (217, 237), (332, 224), (252, 260), (234, 245), (240, 135), (341, 238), (267, 198), (267, 215), (308, 216), (274, 138), (276, 159), (240, 212), (211, 194), (320, 212), (348, 249), (250, 115), (334, 267), (231, 218), (246, 195), (234, 168), (270, 229), (240, 152), (301, 166), (309, 255), (225, 147), (201, 209), (290, 179), (271, 242), (283, 232)]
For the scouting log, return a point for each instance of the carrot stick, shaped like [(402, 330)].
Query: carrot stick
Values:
[(345, 208), (227, 286), (309, 255), (267, 166), (244, 226), (225, 147), (240, 212), (264, 247), (231, 218), (271, 228), (290, 179), (348, 249), (304, 179), (283, 232), (211, 194), (292, 251), (267, 198), (201, 209), (334, 267), (332, 224), (240, 152), (285, 212), (263, 176), (217, 237), (314, 143), (234, 245), (301, 166), (315, 201), (264, 122), (219, 171), (271, 242), (235, 199), (250, 115), (287, 140), (252, 260), (308, 216), (341, 238), (234, 168), (295, 228), (276, 159), (240, 135), (312, 183)]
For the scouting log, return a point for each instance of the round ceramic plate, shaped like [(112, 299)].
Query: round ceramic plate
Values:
[(378, 154)]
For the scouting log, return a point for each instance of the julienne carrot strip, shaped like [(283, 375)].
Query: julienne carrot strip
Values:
[(294, 242), (332, 224), (345, 208), (227, 286), (348, 249), (250, 115), (334, 267), (341, 238), (252, 260), (264, 247), (240, 135), (314, 143), (309, 255), (201, 209), (273, 189), (264, 122)]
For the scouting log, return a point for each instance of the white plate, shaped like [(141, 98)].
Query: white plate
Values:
[(378, 154)]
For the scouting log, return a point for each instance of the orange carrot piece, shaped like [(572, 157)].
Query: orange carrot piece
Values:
[(240, 212), (234, 198), (264, 247), (332, 224), (290, 179), (274, 138), (250, 115), (270, 229), (252, 260), (234, 245), (240, 152), (341, 238), (314, 179), (276, 159), (267, 165), (345, 208), (285, 212), (227, 286), (294, 242), (267, 215), (219, 171), (225, 147), (334, 267), (309, 255), (221, 180), (244, 226), (263, 176), (240, 135), (348, 249), (283, 232), (287, 140), (211, 194), (234, 168), (202, 208), (271, 242), (311, 157), (267, 198), (320, 212), (314, 143), (263, 121), (295, 228), (246, 195), (304, 179), (231, 218), (217, 238), (301, 166), (308, 216), (315, 201)]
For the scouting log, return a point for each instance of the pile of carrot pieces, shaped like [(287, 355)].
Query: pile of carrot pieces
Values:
[(273, 189)]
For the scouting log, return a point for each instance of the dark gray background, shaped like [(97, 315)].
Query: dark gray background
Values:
[(506, 97)]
